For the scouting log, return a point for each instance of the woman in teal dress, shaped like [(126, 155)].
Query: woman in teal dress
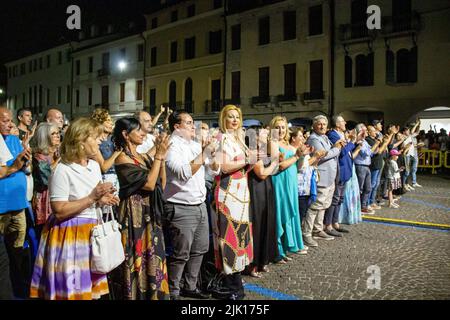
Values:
[(350, 212), (289, 232)]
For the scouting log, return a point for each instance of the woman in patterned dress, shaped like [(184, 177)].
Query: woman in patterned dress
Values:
[(141, 203), (232, 228)]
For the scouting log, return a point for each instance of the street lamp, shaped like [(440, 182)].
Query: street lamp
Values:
[(122, 65), (1, 91)]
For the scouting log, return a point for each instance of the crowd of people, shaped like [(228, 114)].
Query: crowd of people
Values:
[(198, 207)]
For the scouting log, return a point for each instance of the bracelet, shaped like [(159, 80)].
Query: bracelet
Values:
[(158, 159)]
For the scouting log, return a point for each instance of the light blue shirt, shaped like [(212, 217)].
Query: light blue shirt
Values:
[(365, 155)]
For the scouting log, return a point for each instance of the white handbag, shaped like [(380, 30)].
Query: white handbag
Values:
[(106, 244)]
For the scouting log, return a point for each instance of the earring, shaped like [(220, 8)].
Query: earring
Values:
[(82, 147)]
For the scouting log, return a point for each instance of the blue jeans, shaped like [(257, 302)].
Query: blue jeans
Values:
[(375, 183), (411, 169), (363, 174)]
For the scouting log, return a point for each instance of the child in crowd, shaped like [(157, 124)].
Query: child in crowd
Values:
[(393, 177)]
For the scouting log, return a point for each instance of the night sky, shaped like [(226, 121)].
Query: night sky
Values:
[(29, 26)]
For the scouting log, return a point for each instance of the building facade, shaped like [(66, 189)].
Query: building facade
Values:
[(110, 75), (41, 81), (395, 72)]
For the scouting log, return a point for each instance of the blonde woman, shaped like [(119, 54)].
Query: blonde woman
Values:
[(289, 233), (232, 228), (62, 268)]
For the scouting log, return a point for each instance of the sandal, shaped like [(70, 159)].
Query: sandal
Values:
[(281, 261), (264, 269), (255, 274), (287, 258)]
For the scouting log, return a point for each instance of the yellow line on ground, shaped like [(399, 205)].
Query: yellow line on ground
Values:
[(429, 224)]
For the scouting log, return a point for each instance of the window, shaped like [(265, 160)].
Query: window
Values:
[(91, 64), (77, 98), (217, 4), (153, 57), (316, 77), (105, 61), (89, 96), (215, 42), (68, 94), (77, 67), (215, 95), (139, 90), (235, 85), (315, 20), (407, 65), (152, 101), (191, 11), (348, 72), (264, 82), (122, 92), (236, 37), (123, 53), (105, 96), (30, 66), (35, 64), (264, 30), (173, 95), (188, 95), (290, 86), (23, 67), (189, 48), (289, 25), (40, 63), (59, 95), (401, 11), (48, 61), (59, 57), (68, 55), (358, 19), (174, 16), (364, 70), (390, 66), (140, 50), (173, 51), (154, 23)]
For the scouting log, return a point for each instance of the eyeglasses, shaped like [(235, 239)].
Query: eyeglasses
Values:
[(188, 123)]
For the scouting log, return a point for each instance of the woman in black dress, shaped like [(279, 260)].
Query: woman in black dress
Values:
[(262, 206)]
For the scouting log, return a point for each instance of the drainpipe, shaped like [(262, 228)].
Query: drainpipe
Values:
[(143, 72), (225, 12), (71, 81), (331, 56)]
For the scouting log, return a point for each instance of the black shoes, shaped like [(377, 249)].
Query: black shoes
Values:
[(196, 294)]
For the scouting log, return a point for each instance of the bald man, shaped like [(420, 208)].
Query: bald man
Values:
[(55, 116)]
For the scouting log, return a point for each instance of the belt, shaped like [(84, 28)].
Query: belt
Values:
[(363, 165), (185, 205)]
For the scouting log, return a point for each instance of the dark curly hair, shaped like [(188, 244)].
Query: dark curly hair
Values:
[(123, 124)]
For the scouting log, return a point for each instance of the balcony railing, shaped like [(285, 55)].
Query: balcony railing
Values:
[(260, 100), (287, 97), (400, 24), (313, 95), (213, 105), (103, 72), (354, 32), (188, 106)]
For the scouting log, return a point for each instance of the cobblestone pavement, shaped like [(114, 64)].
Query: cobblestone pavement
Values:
[(414, 262)]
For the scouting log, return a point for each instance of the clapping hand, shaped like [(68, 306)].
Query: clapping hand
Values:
[(319, 154), (162, 144), (304, 150), (100, 190), (108, 199)]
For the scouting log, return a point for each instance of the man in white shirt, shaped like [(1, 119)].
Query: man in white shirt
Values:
[(186, 217), (147, 125), (411, 157)]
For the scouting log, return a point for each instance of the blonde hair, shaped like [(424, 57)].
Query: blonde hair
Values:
[(223, 116), (77, 133), (100, 115), (273, 123)]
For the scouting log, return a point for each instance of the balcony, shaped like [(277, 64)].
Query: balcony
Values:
[(213, 105), (188, 107), (260, 100), (103, 73), (287, 98), (354, 33), (401, 25), (313, 95), (235, 101)]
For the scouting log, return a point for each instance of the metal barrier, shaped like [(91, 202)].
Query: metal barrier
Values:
[(446, 156), (431, 159)]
